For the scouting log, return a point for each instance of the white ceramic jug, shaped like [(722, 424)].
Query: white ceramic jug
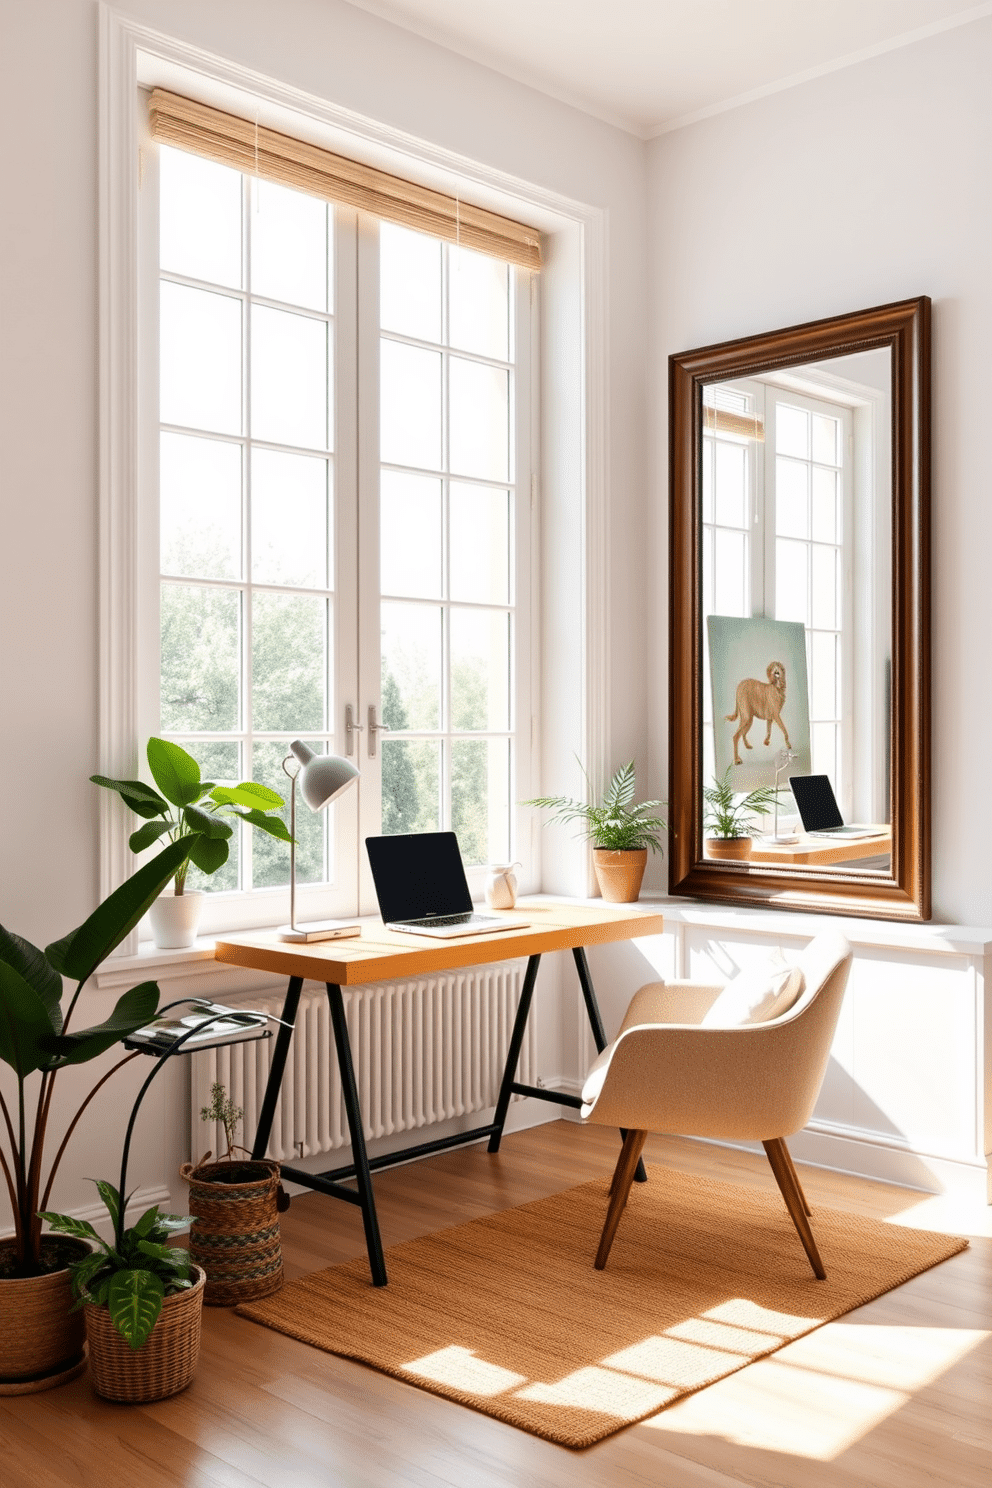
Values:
[(501, 886)]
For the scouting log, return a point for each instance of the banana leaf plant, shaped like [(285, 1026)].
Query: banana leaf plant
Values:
[(190, 810), (36, 1040), (134, 1274)]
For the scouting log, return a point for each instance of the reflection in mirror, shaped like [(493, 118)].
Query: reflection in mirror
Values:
[(796, 597), (799, 614)]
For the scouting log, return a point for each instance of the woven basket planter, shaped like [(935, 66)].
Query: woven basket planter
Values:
[(163, 1365), (235, 1237), (41, 1338)]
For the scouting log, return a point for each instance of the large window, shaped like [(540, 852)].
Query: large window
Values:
[(342, 431)]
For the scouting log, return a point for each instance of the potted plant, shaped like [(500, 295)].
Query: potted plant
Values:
[(141, 1305), (728, 814), (235, 1207), (620, 833), (39, 1343), (190, 810)]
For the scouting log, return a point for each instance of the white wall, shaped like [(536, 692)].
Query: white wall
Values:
[(49, 340), (865, 186)]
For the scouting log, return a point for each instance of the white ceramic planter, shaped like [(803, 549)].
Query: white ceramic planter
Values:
[(175, 918)]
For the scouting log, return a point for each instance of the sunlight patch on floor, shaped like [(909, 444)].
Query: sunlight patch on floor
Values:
[(823, 1393), (462, 1369), (947, 1214), (602, 1390)]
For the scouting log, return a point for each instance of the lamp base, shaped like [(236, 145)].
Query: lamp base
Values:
[(319, 930), (784, 839)]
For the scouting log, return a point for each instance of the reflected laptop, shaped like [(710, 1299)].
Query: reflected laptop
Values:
[(819, 810), (421, 887)]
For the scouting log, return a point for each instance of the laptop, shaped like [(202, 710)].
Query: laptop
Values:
[(421, 887), (819, 810)]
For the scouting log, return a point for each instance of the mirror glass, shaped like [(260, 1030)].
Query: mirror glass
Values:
[(796, 536), (799, 623)]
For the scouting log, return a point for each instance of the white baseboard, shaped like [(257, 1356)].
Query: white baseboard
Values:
[(96, 1214)]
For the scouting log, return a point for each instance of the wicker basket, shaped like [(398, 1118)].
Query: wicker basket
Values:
[(163, 1365), (235, 1237), (41, 1337)]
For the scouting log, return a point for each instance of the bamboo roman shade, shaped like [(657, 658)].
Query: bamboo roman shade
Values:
[(744, 425), (251, 147)]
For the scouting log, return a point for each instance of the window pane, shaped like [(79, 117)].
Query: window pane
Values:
[(219, 762), (479, 543), (791, 581), (480, 795), (200, 659), (826, 436), (200, 507), (480, 669), (825, 587), (410, 535), (410, 405), (824, 701), (826, 506), (200, 351), (792, 431), (290, 647), (411, 666), (824, 742), (731, 484), (478, 303), (290, 376), (289, 519), (411, 785), (289, 246), (199, 218), (730, 574), (270, 858), (409, 283), (479, 421), (791, 499)]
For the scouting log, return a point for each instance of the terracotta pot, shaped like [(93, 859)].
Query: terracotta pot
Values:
[(41, 1339), (736, 848), (166, 1361), (175, 919), (620, 873)]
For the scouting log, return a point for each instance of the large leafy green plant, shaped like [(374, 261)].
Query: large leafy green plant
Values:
[(615, 823), (728, 812), (35, 1037), (136, 1273), (191, 810)]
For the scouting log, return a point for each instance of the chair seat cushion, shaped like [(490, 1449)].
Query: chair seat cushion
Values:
[(756, 995)]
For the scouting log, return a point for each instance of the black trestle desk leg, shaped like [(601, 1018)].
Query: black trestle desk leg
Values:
[(277, 1067), (598, 1031), (363, 1176), (513, 1053)]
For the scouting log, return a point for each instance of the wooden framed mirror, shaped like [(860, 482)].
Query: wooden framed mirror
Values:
[(800, 561)]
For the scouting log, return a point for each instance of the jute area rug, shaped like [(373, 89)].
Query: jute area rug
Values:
[(507, 1314)]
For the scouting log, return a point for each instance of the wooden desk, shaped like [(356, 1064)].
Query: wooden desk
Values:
[(818, 851), (379, 955)]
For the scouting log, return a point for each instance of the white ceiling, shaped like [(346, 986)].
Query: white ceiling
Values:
[(653, 65)]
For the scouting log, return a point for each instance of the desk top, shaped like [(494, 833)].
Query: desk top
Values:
[(821, 850), (380, 955)]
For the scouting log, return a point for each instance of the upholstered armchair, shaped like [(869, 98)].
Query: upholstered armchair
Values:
[(739, 1062)]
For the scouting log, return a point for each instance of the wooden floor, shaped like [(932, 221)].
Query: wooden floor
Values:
[(897, 1393)]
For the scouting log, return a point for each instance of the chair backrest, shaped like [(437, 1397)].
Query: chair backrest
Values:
[(826, 966)]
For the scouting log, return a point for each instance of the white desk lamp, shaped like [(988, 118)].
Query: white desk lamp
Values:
[(783, 759), (322, 778)]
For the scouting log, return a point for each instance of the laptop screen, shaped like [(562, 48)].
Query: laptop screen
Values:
[(417, 874), (816, 801)]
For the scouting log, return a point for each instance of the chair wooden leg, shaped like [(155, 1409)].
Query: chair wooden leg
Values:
[(781, 1164), (795, 1178), (623, 1177)]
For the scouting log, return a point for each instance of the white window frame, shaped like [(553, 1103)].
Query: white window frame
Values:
[(569, 497)]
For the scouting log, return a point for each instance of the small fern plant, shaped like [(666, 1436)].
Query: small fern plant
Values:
[(730, 813), (133, 1276), (615, 823)]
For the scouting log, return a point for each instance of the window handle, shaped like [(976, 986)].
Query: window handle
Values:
[(374, 730), (351, 728)]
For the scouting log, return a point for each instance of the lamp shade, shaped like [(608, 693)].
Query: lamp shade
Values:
[(321, 776)]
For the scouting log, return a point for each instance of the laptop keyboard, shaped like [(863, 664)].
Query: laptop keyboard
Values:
[(435, 922)]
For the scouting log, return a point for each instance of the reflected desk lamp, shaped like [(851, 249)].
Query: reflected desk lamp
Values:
[(322, 778), (783, 759)]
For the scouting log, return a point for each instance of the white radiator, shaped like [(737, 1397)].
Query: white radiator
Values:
[(424, 1051)]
